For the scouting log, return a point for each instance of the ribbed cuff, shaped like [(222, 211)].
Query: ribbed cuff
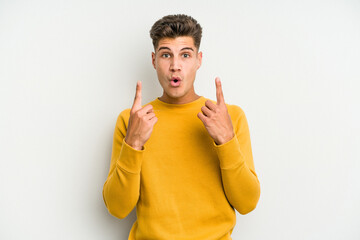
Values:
[(130, 159), (230, 154)]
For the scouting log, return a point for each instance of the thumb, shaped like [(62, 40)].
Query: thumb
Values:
[(137, 101)]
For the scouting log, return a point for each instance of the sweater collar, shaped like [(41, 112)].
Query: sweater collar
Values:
[(196, 103)]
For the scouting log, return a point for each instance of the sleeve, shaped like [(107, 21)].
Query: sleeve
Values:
[(122, 186), (241, 185)]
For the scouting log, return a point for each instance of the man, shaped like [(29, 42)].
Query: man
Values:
[(184, 161)]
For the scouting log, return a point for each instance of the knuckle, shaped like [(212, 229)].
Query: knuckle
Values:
[(138, 114), (209, 103)]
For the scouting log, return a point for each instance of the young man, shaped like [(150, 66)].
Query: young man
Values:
[(184, 161)]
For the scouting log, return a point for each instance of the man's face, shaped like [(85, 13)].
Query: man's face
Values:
[(176, 61)]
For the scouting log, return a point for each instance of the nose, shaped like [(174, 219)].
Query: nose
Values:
[(175, 64)]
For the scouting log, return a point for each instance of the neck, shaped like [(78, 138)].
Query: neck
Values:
[(181, 100)]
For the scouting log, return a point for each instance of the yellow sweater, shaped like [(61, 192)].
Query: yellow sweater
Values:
[(183, 185)]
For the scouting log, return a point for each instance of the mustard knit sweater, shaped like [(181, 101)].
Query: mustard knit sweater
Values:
[(183, 185)]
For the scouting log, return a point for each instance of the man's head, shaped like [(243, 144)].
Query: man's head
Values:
[(176, 58), (173, 26)]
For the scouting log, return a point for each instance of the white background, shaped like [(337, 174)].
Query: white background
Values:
[(68, 68)]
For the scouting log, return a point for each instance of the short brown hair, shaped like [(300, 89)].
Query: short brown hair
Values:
[(173, 26)]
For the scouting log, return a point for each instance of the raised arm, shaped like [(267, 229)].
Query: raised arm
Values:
[(122, 187), (233, 147), (241, 185)]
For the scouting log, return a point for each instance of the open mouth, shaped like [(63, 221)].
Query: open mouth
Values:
[(175, 81)]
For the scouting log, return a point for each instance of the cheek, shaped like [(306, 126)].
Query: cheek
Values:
[(194, 69), (161, 67)]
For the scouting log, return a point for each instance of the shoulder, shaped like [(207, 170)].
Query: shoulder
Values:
[(238, 118), (124, 114), (235, 110), (123, 120), (236, 113)]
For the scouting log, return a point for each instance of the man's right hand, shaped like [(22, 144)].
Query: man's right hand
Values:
[(141, 122)]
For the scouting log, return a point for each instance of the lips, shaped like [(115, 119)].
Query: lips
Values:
[(175, 81)]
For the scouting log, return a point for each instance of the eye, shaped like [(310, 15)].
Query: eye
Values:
[(165, 55), (186, 55)]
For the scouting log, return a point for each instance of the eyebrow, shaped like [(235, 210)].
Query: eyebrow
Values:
[(185, 48)]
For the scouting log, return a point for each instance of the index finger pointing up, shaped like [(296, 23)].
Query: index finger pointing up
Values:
[(219, 92), (137, 101)]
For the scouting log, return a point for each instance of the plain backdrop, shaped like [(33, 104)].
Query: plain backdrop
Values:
[(68, 68)]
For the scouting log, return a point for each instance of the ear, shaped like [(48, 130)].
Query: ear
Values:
[(199, 58), (153, 59)]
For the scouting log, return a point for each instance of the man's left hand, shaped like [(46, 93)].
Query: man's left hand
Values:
[(216, 118)]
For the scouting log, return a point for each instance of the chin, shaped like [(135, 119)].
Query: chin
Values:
[(175, 93), (175, 96)]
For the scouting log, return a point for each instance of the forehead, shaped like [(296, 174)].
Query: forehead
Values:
[(177, 43)]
